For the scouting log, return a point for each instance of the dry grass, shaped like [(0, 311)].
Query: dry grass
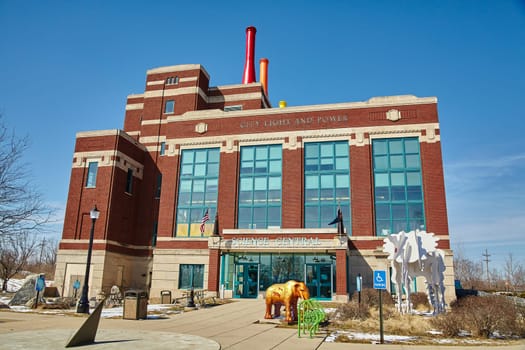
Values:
[(393, 322)]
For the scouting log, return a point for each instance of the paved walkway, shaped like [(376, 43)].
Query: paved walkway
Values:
[(228, 327)]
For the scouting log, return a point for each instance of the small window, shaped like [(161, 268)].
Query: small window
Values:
[(169, 107), (91, 180), (233, 108), (191, 276), (162, 148), (172, 81), (129, 181)]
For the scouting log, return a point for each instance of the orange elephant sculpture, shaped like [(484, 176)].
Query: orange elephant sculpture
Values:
[(285, 294)]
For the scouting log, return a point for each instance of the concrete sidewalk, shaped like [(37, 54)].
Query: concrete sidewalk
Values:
[(230, 327)]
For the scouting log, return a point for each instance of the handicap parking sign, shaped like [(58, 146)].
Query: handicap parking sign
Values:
[(379, 279)]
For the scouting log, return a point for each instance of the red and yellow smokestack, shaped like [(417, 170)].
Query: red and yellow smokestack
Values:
[(263, 74), (249, 64)]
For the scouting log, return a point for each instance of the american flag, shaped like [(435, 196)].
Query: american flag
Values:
[(205, 218)]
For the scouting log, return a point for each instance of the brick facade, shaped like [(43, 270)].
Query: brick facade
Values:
[(128, 222)]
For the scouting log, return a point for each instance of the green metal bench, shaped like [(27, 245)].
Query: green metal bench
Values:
[(309, 315)]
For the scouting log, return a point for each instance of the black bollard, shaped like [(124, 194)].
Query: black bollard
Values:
[(191, 302)]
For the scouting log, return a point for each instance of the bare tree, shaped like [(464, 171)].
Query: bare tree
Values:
[(514, 272), (15, 254), (44, 259), (21, 208), (467, 271)]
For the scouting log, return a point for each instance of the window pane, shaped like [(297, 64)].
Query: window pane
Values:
[(396, 147), (412, 161), (246, 167), (260, 183), (397, 179), (398, 193), (342, 163), (261, 153), (91, 180), (275, 166), (275, 152), (414, 193), (383, 227), (261, 166), (200, 170), (327, 181), (274, 183), (412, 146), (341, 149), (379, 147), (311, 181), (198, 186), (187, 157), (342, 181), (213, 169), (397, 162), (311, 164), (187, 169), (200, 156), (382, 193), (398, 211), (246, 184), (381, 180), (311, 195), (212, 186), (311, 151), (380, 162), (327, 163), (169, 107), (383, 211), (327, 150), (413, 179), (415, 211)]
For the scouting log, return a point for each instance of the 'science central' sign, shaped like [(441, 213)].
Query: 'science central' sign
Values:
[(278, 242), (294, 121)]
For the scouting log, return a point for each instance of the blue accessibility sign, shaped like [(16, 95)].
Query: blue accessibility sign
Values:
[(40, 283), (379, 279)]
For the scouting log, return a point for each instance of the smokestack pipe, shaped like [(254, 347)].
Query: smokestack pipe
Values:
[(249, 64), (263, 74)]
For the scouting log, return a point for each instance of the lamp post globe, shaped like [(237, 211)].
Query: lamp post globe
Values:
[(83, 303)]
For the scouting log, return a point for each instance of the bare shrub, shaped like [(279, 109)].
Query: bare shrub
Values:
[(419, 300), (449, 324), (482, 317), (370, 297), (352, 311)]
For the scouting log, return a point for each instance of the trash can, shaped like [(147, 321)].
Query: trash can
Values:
[(135, 305), (165, 297)]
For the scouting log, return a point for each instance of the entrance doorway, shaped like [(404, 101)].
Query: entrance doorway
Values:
[(319, 280), (246, 280)]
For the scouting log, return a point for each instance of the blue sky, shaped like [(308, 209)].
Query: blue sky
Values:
[(67, 66)]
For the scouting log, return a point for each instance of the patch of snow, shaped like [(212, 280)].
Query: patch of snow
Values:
[(369, 336), (13, 284)]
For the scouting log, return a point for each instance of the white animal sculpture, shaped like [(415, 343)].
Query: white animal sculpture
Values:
[(415, 254)]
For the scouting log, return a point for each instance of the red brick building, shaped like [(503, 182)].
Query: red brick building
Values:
[(269, 179)]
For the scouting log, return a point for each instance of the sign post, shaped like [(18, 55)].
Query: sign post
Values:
[(40, 285), (359, 284), (380, 284)]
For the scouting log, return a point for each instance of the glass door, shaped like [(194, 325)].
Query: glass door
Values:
[(246, 280), (319, 280)]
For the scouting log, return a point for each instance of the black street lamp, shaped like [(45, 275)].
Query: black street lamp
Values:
[(83, 304)]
